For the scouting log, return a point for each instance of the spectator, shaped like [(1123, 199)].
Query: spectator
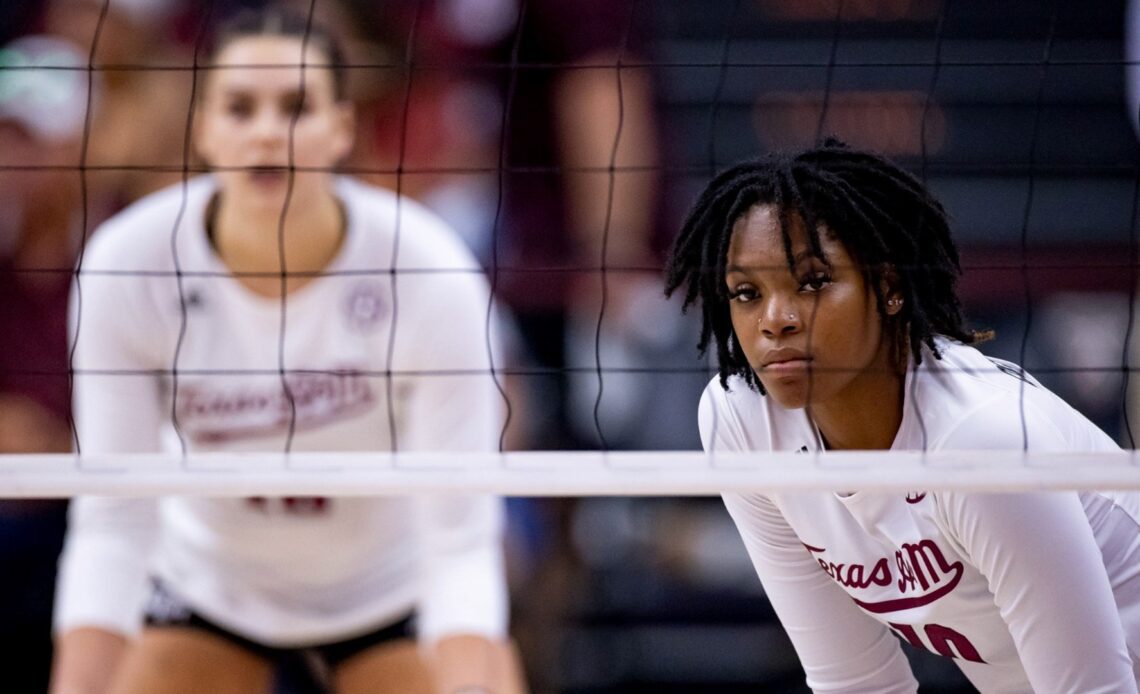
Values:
[(446, 131), (137, 138), (41, 123)]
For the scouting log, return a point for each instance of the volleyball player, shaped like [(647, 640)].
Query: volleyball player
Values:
[(253, 310), (826, 282)]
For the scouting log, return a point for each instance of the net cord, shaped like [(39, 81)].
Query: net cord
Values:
[(561, 474)]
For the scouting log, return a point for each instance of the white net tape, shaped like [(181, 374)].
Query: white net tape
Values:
[(641, 473)]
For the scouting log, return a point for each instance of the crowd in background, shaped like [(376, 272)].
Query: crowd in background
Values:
[(510, 135)]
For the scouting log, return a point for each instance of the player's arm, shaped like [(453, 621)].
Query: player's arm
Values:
[(463, 612), (840, 648), (464, 608), (457, 407), (1046, 573), (1044, 568), (85, 659), (101, 586), (102, 573)]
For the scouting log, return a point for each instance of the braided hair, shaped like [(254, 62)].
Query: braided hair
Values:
[(886, 219), (280, 22)]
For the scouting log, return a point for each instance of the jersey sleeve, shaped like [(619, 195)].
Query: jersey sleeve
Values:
[(103, 569), (465, 585), (840, 648), (118, 409), (720, 428), (1045, 570), (454, 405)]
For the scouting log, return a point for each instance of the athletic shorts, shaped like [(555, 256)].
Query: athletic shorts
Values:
[(167, 610)]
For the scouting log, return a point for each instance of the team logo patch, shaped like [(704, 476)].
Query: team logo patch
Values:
[(366, 306)]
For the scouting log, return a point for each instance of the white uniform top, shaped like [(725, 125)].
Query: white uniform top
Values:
[(1014, 587), (285, 572)]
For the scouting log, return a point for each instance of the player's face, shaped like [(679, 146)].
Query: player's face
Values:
[(812, 333), (257, 120)]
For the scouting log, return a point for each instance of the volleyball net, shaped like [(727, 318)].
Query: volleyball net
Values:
[(561, 473), (1014, 116)]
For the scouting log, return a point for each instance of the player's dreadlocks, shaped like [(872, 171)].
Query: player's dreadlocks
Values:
[(886, 219)]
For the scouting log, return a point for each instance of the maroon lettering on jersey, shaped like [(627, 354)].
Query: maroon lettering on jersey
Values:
[(855, 575), (926, 554), (941, 639), (291, 505), (906, 574), (907, 632), (915, 497), (213, 414), (306, 505), (920, 566)]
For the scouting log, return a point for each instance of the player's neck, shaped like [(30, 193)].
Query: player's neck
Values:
[(866, 416), (252, 241)]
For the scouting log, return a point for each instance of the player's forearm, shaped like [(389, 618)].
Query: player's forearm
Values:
[(476, 665), (85, 660)]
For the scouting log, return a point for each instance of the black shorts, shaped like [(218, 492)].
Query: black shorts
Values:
[(166, 610)]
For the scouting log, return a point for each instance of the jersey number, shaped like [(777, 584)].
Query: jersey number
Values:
[(291, 505), (939, 639)]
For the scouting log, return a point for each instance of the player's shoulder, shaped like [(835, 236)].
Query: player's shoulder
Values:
[(968, 376), (424, 238), (732, 395), (970, 400), (956, 378), (140, 234), (733, 416)]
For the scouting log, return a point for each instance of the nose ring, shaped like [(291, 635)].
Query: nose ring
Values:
[(791, 318)]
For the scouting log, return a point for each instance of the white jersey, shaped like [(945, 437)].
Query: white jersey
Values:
[(1014, 587), (164, 361)]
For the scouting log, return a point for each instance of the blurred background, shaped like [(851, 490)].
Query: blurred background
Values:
[(1020, 115)]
